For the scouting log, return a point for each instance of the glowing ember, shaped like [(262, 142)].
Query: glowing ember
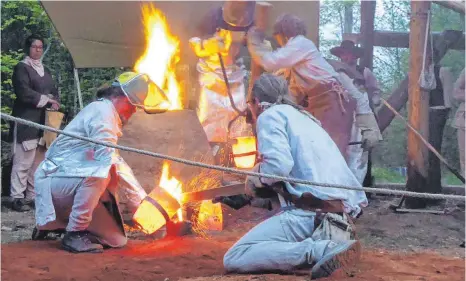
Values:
[(210, 216), (160, 57), (167, 197), (244, 145)]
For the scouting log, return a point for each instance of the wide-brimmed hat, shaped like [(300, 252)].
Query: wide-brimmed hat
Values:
[(347, 46), (238, 13)]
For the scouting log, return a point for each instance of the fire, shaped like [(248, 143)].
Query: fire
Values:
[(172, 186), (210, 216), (244, 145), (167, 197), (160, 57)]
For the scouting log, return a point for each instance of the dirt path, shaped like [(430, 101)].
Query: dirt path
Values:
[(398, 247)]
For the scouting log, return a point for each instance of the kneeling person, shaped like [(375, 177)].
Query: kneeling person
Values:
[(76, 184), (293, 144)]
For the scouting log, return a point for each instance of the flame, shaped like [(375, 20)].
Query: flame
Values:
[(210, 216), (244, 145), (160, 57), (172, 186), (168, 196)]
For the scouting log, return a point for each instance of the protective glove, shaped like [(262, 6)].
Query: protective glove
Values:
[(370, 130), (208, 47), (376, 100), (253, 182), (257, 44)]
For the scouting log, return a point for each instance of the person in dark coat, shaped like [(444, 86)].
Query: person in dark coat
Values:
[(35, 92)]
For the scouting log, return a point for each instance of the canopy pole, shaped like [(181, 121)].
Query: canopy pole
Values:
[(78, 88)]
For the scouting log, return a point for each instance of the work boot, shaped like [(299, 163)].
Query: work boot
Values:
[(40, 235), (18, 205), (30, 202), (79, 242), (335, 255)]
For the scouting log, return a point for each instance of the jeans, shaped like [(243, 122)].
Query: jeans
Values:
[(281, 243)]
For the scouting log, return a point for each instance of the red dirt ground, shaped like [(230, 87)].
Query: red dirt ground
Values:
[(411, 239), (194, 258), (191, 257)]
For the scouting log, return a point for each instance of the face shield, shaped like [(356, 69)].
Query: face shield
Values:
[(142, 92)]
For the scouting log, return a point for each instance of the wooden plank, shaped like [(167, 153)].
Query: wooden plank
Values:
[(418, 113), (423, 211), (447, 189), (367, 32), (457, 6), (209, 194), (393, 39)]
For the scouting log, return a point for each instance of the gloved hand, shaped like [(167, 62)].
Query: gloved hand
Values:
[(208, 47), (370, 130), (257, 44), (252, 182), (376, 100)]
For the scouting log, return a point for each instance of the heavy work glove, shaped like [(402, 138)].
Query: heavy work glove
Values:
[(369, 129), (209, 47), (253, 182), (257, 44)]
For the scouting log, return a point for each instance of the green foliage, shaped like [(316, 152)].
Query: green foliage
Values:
[(20, 19), (383, 175), (391, 65)]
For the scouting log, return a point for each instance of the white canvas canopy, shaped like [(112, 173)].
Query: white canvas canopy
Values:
[(111, 33)]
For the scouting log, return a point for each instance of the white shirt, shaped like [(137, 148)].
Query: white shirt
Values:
[(303, 63), (293, 145)]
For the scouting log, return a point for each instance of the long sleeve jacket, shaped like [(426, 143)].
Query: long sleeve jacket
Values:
[(299, 60), (294, 145), (29, 87)]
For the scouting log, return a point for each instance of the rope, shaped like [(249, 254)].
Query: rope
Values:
[(426, 143), (231, 170)]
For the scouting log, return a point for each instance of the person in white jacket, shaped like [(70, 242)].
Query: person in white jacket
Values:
[(292, 143), (76, 184), (222, 35), (313, 82)]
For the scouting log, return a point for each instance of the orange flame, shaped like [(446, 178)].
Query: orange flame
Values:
[(210, 216), (160, 57), (244, 145), (172, 186), (149, 218)]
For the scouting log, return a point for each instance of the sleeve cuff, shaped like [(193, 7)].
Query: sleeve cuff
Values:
[(43, 101)]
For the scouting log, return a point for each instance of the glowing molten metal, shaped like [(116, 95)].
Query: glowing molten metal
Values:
[(244, 145), (167, 197), (160, 57)]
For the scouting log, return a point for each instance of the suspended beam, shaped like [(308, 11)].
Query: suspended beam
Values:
[(457, 6), (391, 39)]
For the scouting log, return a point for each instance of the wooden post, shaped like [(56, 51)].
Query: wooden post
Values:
[(367, 32), (399, 97), (261, 22), (348, 26), (367, 42), (418, 113)]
